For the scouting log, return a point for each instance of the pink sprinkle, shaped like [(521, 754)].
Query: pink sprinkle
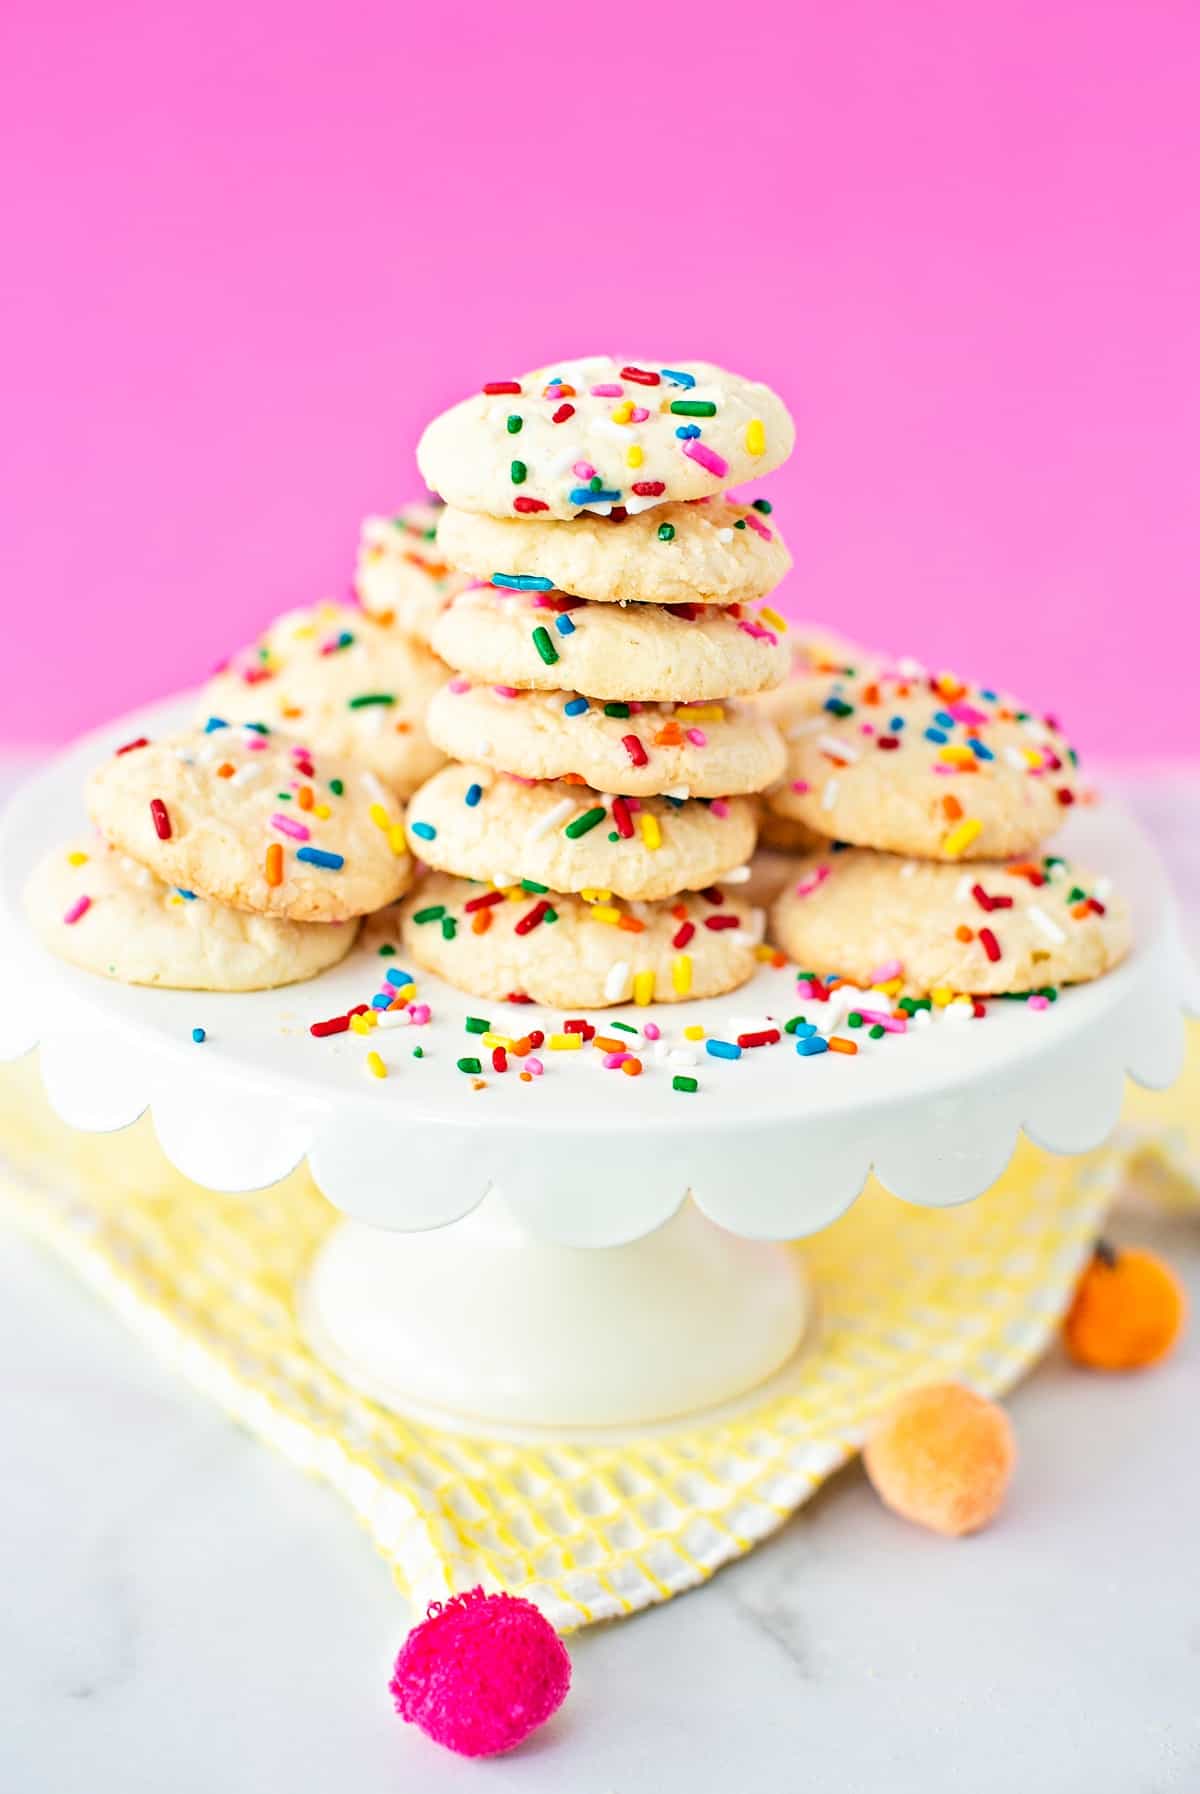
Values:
[(813, 882), (800, 786), (286, 826), (758, 632), (719, 807), (888, 1023), (419, 1013), (535, 1067), (459, 684), (584, 470), (967, 713), (613, 1060), (1036, 1002), (652, 1031), (891, 968), (80, 907), (301, 753), (638, 415), (700, 451), (806, 988), (947, 772), (252, 739), (697, 737), (755, 522), (506, 691), (607, 392)]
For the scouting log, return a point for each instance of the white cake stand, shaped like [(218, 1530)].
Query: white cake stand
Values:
[(584, 1251)]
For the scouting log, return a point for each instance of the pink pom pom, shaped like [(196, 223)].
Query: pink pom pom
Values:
[(481, 1673)]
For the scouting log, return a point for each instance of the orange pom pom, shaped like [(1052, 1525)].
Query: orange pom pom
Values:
[(1127, 1311), (943, 1457)]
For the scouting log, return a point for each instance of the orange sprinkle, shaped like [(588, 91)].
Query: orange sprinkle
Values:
[(225, 770), (952, 808), (631, 925), (526, 1077), (1080, 910), (275, 864), (870, 693), (838, 1045), (963, 933), (385, 617), (481, 921), (573, 778), (670, 735), (292, 710), (607, 1044), (404, 728), (679, 911), (521, 1047), (304, 797), (632, 1068)]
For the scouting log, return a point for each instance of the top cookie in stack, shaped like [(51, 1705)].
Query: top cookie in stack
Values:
[(604, 768)]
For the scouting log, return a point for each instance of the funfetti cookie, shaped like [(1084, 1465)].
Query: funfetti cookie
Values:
[(401, 574), (922, 763), (985, 929), (348, 684), (603, 434), (544, 640), (480, 824), (97, 908), (254, 820), (708, 551), (639, 750), (572, 954)]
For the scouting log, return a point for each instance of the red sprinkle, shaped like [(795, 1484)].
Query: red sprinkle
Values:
[(716, 922), (162, 822), (530, 504), (643, 376), (578, 1026), (562, 414), (518, 996), (764, 1037), (622, 818), (990, 944), (888, 742), (713, 894), (989, 903), (684, 934), (338, 1024), (1066, 796), (499, 386), (532, 917), (634, 749), (484, 902), (648, 488), (499, 1059), (142, 741), (536, 1037)]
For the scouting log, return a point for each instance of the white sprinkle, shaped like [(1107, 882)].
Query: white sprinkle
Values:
[(683, 1056), (909, 869), (840, 749), (1015, 758), (617, 981), (393, 1018), (958, 1011), (377, 792), (806, 726), (1049, 928), (724, 535), (246, 773), (829, 795), (962, 889), (558, 813), (1102, 888), (741, 875)]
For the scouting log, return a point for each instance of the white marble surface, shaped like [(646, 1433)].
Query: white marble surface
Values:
[(184, 1614)]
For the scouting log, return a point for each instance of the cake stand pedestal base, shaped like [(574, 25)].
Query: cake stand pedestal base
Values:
[(483, 1327)]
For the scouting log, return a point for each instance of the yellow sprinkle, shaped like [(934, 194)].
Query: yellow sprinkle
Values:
[(756, 437), (77, 859), (892, 988), (651, 833), (497, 1040), (694, 1032), (593, 895), (643, 988), (514, 893), (765, 953), (602, 912), (1032, 757), (380, 817), (956, 756), (396, 839), (375, 1066), (405, 994), (622, 413), (681, 974), (960, 838), (701, 713), (303, 631), (360, 1024), (634, 455), (940, 995), (773, 620), (323, 811), (565, 1043)]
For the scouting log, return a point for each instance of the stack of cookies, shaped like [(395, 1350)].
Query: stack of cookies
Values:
[(928, 802), (601, 791)]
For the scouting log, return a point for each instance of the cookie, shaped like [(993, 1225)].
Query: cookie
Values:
[(402, 575), (639, 750), (485, 825), (599, 434), (254, 820), (986, 929), (97, 908), (710, 551), (541, 640), (349, 685), (785, 836), (571, 954), (914, 762)]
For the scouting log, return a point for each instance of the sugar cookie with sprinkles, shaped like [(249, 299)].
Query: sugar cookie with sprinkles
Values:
[(541, 640), (565, 952), (402, 575), (704, 551), (631, 749), (603, 434), (480, 824), (100, 910), (896, 757), (254, 820), (350, 685), (993, 928)]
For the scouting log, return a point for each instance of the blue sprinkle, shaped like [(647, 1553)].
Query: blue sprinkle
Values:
[(583, 495), (805, 1030), (944, 718), (215, 722), (425, 830), (677, 377), (398, 978), (199, 1036), (723, 1049), (575, 707), (379, 1001), (896, 724), (978, 749), (686, 431), (937, 735), (188, 896), (257, 728), (317, 856), (523, 582), (474, 793), (812, 1043), (564, 625), (676, 802), (989, 695)]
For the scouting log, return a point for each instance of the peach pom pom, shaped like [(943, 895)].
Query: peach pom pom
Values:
[(942, 1457), (481, 1673), (1127, 1311)]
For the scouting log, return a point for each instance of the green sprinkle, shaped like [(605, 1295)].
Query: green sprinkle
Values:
[(693, 408), (877, 1033), (666, 532), (513, 424), (579, 825), (679, 1083), (531, 884), (418, 1052), (434, 913), (387, 951), (616, 710), (740, 524), (449, 928), (337, 787), (613, 835), (518, 470), (854, 1019), (790, 1026), (544, 646), (624, 1027), (549, 915), (372, 697), (595, 484), (839, 707), (471, 1065), (285, 797), (1076, 895), (764, 505), (475, 1024)]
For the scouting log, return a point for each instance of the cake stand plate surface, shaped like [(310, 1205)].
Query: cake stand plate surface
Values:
[(772, 1145)]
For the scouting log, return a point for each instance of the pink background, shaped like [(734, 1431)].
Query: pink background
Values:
[(252, 250)]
